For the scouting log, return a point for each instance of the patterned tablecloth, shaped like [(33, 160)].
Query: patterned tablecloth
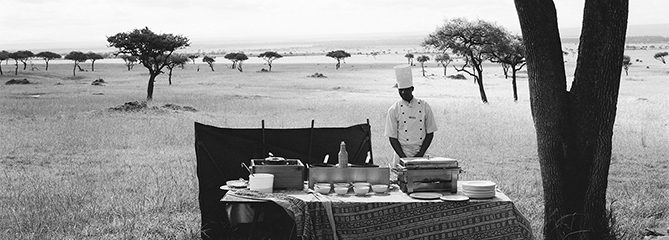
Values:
[(395, 216)]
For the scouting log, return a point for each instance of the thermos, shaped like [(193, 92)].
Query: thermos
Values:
[(343, 155)]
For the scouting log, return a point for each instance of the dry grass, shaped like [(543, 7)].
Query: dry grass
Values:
[(71, 169)]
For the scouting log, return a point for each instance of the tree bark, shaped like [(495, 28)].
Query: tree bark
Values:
[(47, 65), (270, 66), (74, 69), (92, 65), (16, 70), (574, 128)]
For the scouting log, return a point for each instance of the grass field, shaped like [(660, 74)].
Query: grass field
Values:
[(72, 169)]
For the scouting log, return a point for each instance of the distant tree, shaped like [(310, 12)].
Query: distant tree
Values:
[(47, 56), (4, 55), (173, 61), (241, 57), (209, 60), (129, 61), (338, 55), (151, 49), (193, 57), (270, 56), (627, 62), (77, 57), (510, 52), (23, 57), (233, 58), (422, 59), (660, 56), (93, 56), (443, 59), (409, 57), (470, 39)]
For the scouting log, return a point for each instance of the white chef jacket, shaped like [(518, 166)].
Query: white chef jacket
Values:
[(409, 122)]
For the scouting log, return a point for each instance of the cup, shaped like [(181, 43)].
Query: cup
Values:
[(261, 182)]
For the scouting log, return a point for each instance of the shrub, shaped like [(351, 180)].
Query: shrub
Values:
[(457, 77)]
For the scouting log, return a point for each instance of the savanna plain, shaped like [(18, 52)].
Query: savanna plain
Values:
[(74, 169)]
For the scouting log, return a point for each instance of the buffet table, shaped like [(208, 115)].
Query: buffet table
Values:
[(393, 215)]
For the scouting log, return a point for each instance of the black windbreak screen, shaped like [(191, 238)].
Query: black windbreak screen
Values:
[(220, 152)]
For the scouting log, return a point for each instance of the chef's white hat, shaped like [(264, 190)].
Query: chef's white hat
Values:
[(403, 75)]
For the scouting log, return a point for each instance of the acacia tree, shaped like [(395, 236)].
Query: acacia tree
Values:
[(48, 56), (443, 59), (660, 56), (209, 60), (193, 57), (129, 61), (510, 52), (270, 56), (409, 57), (472, 40), (151, 49), (240, 57), (93, 56), (21, 56), (4, 55), (173, 61), (233, 58), (574, 128), (627, 62), (77, 57), (338, 55), (422, 59)]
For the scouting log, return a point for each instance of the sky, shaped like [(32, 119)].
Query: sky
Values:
[(39, 24)]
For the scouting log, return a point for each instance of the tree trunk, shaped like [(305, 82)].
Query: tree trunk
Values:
[(211, 65), (16, 70), (270, 66), (169, 76), (505, 67), (24, 65), (338, 64), (74, 69), (479, 81), (239, 67), (444, 69), (47, 65), (422, 68), (92, 65), (1, 68), (149, 89), (575, 128), (513, 83)]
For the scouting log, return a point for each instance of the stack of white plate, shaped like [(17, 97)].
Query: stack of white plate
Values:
[(479, 189)]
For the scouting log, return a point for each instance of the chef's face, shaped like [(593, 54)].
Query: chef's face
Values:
[(406, 93)]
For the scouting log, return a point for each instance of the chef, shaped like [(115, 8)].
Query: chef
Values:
[(410, 124)]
